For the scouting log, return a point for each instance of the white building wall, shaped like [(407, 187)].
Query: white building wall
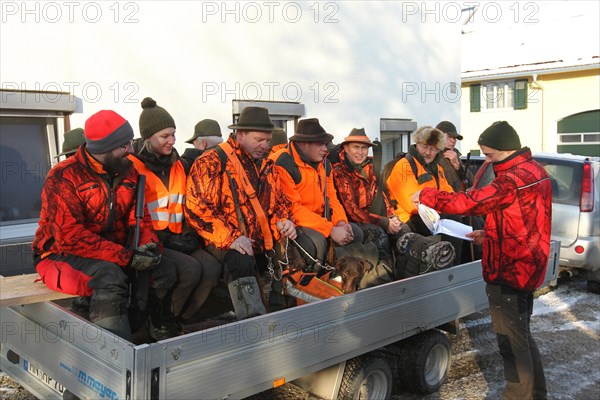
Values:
[(351, 63)]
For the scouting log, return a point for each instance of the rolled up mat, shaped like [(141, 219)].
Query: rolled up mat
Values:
[(418, 254)]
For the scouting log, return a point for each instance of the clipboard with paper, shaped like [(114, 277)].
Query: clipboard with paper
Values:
[(438, 225)]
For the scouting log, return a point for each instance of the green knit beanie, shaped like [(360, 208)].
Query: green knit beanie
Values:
[(500, 136), (154, 118)]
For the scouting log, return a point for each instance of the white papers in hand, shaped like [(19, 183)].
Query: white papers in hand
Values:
[(446, 226)]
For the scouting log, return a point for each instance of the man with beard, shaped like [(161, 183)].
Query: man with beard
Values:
[(88, 210)]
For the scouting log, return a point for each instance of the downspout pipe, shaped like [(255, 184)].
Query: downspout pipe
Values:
[(537, 85)]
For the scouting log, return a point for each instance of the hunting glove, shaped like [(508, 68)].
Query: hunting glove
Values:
[(145, 257), (186, 243)]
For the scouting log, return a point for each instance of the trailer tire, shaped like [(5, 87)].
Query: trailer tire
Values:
[(425, 361), (366, 378)]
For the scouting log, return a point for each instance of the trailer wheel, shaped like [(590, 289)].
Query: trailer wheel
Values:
[(366, 378), (425, 361)]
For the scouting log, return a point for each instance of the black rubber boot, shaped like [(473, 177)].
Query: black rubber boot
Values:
[(163, 324)]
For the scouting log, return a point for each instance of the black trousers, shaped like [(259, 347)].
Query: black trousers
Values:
[(511, 310)]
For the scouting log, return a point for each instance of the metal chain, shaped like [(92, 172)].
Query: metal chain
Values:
[(276, 276), (317, 262)]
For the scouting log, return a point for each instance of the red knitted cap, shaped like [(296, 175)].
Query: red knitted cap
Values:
[(105, 131)]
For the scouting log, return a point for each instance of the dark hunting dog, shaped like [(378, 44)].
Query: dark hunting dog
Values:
[(348, 273)]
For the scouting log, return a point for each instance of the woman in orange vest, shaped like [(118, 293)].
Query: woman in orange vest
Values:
[(156, 157)]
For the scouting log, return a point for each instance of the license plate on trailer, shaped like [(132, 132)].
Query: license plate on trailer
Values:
[(43, 377)]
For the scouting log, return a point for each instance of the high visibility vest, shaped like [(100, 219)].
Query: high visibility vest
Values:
[(164, 205)]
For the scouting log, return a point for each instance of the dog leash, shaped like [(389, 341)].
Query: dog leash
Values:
[(317, 262)]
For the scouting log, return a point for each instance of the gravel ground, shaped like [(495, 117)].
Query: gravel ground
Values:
[(566, 325)]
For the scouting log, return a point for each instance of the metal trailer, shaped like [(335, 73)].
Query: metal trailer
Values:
[(353, 346)]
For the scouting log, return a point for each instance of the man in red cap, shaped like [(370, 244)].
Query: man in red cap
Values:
[(88, 210)]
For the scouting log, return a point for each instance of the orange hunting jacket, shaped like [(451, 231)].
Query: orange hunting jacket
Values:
[(304, 186), (209, 206), (402, 183), (165, 205)]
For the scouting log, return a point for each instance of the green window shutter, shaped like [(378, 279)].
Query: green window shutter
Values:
[(521, 94), (475, 98)]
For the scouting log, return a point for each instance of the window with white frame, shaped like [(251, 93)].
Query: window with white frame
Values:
[(497, 95)]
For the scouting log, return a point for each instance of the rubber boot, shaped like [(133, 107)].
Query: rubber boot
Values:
[(119, 325), (246, 298), (163, 324)]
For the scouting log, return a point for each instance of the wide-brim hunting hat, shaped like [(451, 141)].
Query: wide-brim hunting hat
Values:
[(204, 128), (310, 130), (357, 136), (71, 141), (279, 137), (449, 129), (254, 119)]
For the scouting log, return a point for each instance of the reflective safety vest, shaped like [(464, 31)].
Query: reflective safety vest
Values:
[(164, 205)]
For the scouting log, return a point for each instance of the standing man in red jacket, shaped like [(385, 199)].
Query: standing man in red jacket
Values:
[(88, 210), (516, 245)]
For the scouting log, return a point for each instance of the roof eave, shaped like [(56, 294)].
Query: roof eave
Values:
[(486, 76)]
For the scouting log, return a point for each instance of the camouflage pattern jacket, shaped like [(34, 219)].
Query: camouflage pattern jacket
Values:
[(209, 205), (88, 214), (357, 191), (518, 205)]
